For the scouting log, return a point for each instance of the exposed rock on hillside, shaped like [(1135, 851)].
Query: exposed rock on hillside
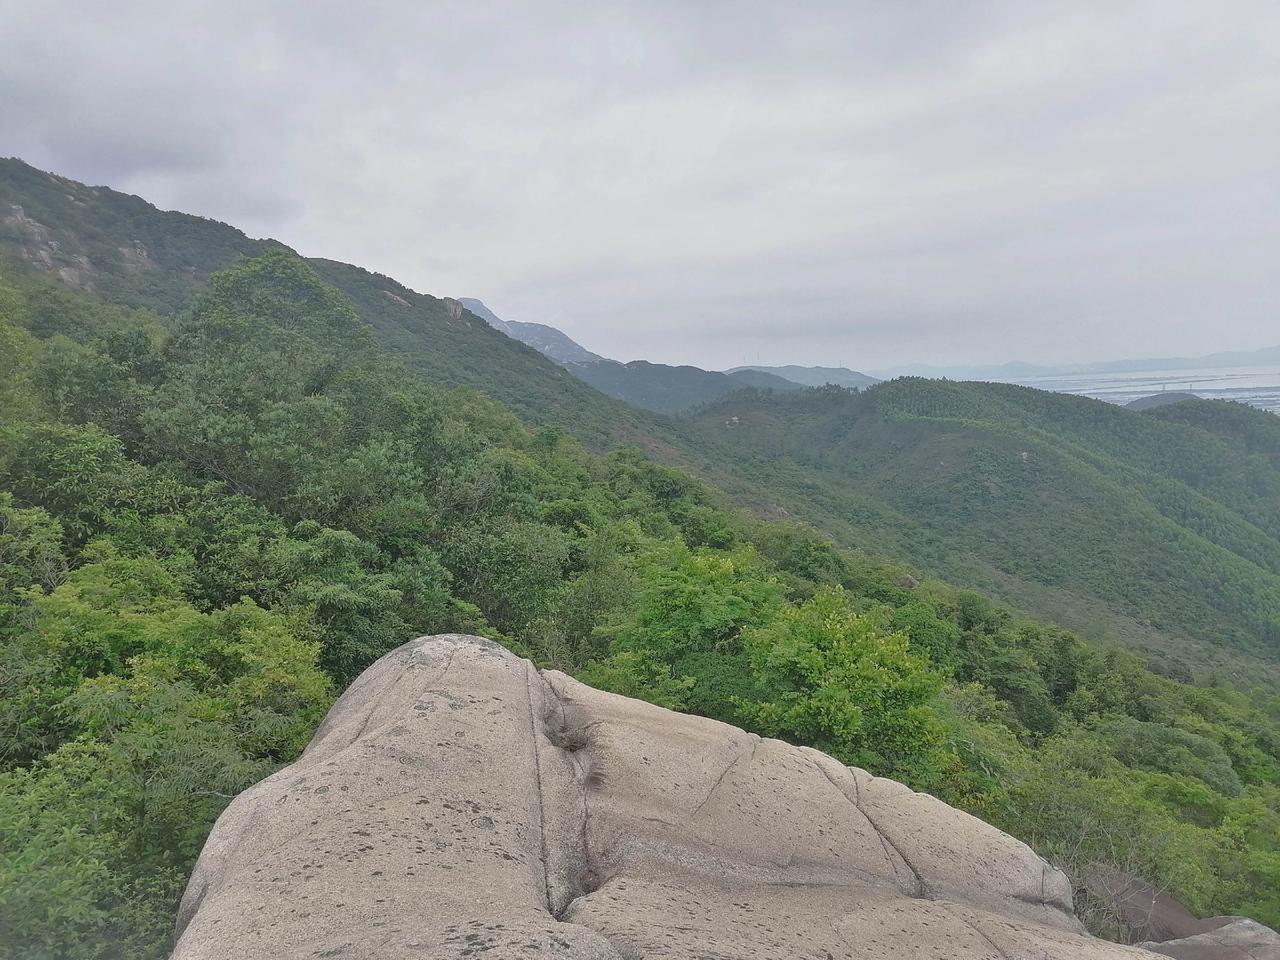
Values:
[(1167, 926), (548, 341), (1229, 938), (457, 802)]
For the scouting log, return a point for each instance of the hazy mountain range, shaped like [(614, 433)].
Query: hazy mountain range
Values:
[(1024, 494), (1020, 370), (658, 386), (645, 382), (229, 439), (548, 341), (817, 376), (673, 389)]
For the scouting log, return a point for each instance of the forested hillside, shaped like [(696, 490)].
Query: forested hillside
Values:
[(651, 386), (211, 520), (122, 250), (667, 389), (1136, 527), (1161, 527)]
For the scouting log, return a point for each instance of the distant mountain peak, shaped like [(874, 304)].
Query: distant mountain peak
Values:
[(814, 376), (550, 342), (641, 383)]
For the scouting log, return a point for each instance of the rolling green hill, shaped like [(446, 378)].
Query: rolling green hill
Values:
[(225, 492), (1157, 528), (1147, 525), (666, 389), (815, 376)]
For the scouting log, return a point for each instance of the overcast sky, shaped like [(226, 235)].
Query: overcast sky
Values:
[(717, 183)]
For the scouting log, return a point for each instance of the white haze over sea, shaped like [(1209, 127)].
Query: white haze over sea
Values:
[(1256, 386)]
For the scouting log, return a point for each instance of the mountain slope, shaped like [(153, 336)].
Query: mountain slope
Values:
[(112, 244), (1148, 527), (551, 343), (1106, 519), (652, 386), (484, 313), (125, 251), (548, 341), (454, 347), (815, 376), (668, 389)]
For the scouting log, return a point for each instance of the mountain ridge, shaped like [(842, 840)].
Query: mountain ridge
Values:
[(217, 516), (97, 231), (815, 376), (659, 387), (550, 342), (124, 250)]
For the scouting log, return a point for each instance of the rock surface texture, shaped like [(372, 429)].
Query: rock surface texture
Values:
[(1230, 938), (459, 803)]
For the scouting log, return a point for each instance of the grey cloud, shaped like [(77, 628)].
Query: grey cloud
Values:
[(711, 182)]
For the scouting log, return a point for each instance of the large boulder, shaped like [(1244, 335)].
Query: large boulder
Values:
[(457, 802), (1227, 938), (1166, 926)]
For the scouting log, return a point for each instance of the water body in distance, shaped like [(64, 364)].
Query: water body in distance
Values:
[(1256, 386)]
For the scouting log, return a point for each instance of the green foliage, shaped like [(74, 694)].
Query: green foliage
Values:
[(695, 601), (639, 674), (1154, 746), (17, 347), (30, 549), (512, 571), (209, 525), (138, 716), (840, 681), (1160, 529), (55, 856)]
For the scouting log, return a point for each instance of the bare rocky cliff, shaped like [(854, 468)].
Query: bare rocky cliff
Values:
[(457, 802)]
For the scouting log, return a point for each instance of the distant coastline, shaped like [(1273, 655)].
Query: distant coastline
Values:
[(1018, 371), (1257, 386)]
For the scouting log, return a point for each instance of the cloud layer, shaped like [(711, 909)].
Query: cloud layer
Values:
[(716, 183)]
